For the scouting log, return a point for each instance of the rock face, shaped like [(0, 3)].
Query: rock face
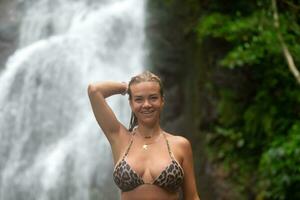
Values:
[(9, 27)]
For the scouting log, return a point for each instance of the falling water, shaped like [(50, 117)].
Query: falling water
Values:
[(50, 144)]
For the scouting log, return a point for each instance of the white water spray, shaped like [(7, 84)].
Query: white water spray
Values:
[(50, 144)]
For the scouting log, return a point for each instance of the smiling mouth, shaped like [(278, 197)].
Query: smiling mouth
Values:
[(147, 112)]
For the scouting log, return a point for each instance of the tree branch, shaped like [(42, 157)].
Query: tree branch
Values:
[(286, 52), (293, 6)]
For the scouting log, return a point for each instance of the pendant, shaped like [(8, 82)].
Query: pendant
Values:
[(145, 146)]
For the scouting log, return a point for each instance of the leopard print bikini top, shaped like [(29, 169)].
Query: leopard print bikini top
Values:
[(127, 179)]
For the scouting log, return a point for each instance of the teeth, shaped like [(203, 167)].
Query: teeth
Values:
[(146, 112)]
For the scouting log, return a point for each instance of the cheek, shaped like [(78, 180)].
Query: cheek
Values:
[(131, 103), (134, 106)]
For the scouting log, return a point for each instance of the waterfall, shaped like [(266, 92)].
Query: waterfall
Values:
[(50, 144)]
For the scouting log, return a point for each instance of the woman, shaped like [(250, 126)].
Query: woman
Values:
[(149, 162)]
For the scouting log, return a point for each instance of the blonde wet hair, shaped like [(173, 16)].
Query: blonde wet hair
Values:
[(146, 76)]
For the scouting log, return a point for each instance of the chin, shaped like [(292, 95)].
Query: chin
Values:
[(148, 122)]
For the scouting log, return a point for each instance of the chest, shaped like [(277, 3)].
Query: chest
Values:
[(149, 162)]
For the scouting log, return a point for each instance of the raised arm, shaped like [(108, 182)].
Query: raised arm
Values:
[(104, 115)]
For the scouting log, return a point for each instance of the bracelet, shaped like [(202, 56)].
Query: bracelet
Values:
[(126, 90)]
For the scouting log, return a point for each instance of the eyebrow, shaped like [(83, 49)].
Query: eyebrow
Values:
[(136, 96)]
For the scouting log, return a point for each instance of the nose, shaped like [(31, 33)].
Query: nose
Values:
[(146, 104)]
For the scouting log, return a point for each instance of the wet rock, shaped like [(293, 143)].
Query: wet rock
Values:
[(9, 27)]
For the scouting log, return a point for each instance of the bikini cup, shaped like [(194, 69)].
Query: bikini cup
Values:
[(127, 179)]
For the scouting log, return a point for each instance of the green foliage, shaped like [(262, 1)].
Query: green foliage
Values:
[(258, 129), (252, 36), (281, 161), (256, 133), (228, 108)]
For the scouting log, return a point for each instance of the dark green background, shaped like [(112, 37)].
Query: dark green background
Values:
[(230, 91)]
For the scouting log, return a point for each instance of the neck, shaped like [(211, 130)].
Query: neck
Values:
[(149, 132)]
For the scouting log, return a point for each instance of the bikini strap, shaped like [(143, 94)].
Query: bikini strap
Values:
[(131, 141), (169, 148), (128, 148)]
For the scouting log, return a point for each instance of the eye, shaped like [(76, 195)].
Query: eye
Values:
[(138, 100), (153, 97)]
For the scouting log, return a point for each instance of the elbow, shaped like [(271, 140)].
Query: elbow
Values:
[(95, 89), (91, 89)]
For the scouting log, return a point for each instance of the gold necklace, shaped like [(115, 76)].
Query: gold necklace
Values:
[(145, 146), (148, 137)]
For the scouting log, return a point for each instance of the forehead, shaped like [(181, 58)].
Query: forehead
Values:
[(145, 88)]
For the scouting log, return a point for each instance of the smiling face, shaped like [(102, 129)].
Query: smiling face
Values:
[(146, 102)]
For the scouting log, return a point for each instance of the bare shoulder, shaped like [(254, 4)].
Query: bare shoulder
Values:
[(179, 144), (178, 140)]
